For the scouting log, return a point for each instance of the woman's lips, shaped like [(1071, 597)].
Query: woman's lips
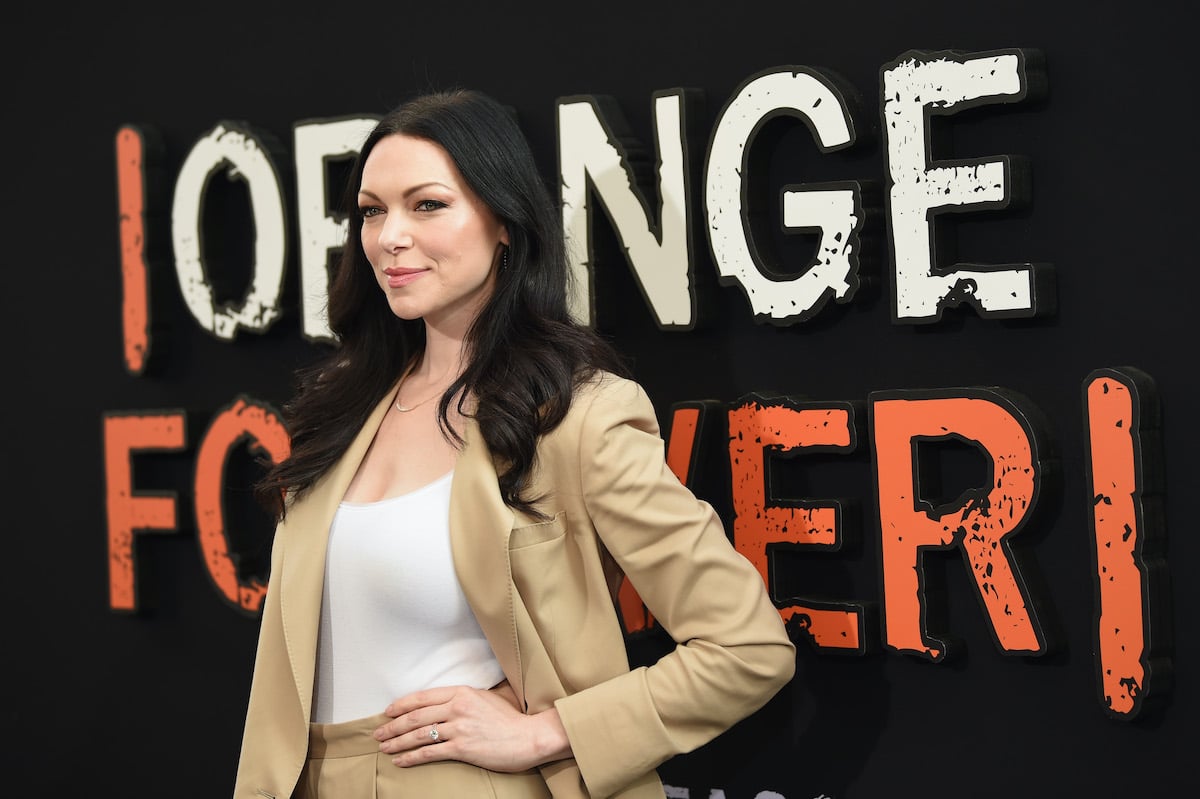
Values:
[(397, 276)]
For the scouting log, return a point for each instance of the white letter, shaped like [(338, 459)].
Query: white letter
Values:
[(660, 254), (915, 87), (242, 155), (834, 210), (316, 143)]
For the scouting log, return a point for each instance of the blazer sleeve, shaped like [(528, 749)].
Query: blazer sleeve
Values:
[(732, 651)]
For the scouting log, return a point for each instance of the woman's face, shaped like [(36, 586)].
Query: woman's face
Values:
[(431, 242)]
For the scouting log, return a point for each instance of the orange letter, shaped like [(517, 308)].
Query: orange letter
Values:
[(243, 420), (786, 428), (128, 513), (132, 157), (1127, 534), (980, 522)]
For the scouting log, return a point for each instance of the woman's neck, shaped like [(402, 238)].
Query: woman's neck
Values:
[(443, 358)]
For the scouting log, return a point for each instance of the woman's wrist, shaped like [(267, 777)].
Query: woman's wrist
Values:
[(550, 737)]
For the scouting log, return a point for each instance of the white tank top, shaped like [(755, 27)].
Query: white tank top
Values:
[(393, 616)]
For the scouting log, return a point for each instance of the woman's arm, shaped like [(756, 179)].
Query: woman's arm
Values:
[(732, 654)]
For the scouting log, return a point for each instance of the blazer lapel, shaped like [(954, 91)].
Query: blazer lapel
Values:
[(480, 524), (303, 578)]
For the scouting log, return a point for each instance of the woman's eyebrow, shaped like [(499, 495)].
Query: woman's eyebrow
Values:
[(411, 190)]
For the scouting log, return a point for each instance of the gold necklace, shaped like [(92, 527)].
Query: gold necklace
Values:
[(404, 409)]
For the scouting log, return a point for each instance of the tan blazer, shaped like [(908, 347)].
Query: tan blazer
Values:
[(542, 592)]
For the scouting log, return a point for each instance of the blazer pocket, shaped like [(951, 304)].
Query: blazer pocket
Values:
[(534, 534), (536, 558)]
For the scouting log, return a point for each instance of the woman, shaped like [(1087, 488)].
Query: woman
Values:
[(440, 613)]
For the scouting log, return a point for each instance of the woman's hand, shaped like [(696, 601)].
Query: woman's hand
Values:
[(484, 728)]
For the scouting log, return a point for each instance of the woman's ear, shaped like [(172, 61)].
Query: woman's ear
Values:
[(504, 235)]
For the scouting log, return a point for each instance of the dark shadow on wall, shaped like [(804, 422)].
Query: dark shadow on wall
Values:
[(811, 740)]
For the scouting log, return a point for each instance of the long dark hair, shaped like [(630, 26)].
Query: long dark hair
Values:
[(526, 356)]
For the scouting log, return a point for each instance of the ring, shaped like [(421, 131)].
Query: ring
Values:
[(434, 734)]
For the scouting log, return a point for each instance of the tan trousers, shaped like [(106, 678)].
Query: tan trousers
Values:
[(344, 762)]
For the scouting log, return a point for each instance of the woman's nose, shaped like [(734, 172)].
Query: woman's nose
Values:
[(395, 234)]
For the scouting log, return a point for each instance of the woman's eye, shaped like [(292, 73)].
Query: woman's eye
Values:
[(369, 210), (430, 205)]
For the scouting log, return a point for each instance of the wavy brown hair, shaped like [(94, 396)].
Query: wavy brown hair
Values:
[(525, 354)]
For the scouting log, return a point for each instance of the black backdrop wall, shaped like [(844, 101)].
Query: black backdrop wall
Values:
[(138, 703)]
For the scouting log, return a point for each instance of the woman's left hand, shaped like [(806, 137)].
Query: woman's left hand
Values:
[(481, 727)]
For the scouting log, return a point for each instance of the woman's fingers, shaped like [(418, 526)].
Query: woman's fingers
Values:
[(418, 728), (481, 727), (413, 717), (422, 699), (393, 740)]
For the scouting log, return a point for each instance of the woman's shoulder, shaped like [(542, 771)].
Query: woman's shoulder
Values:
[(604, 388), (605, 400), (611, 425)]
